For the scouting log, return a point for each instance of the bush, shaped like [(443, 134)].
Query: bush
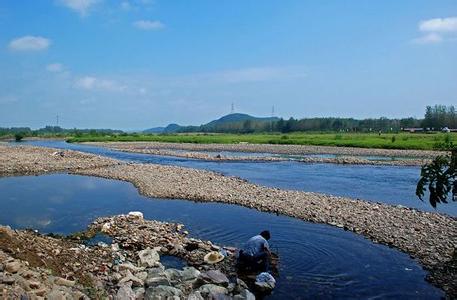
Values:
[(19, 136), (394, 138)]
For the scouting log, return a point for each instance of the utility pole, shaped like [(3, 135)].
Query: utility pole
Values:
[(57, 121), (233, 108), (272, 116)]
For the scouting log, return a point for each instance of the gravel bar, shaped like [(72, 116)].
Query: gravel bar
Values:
[(348, 155)]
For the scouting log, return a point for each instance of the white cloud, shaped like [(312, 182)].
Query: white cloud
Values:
[(93, 83), (29, 43), (437, 30), (439, 25), (80, 6), (54, 68), (148, 25)]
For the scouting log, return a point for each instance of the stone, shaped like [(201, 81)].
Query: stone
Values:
[(34, 284), (129, 266), (13, 267), (174, 275), (106, 227), (214, 277), (136, 215), (190, 274), (149, 257), (125, 292), (195, 296), (55, 295), (157, 279), (64, 282), (139, 293), (163, 292), (244, 295), (142, 275), (131, 278), (212, 289)]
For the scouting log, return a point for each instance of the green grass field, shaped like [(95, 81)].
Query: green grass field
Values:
[(362, 140)]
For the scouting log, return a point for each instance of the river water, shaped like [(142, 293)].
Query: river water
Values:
[(317, 261), (394, 185)]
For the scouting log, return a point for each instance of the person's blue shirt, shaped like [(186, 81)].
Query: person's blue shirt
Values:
[(256, 245)]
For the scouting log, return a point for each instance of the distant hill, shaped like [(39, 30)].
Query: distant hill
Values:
[(154, 130), (223, 124), (238, 118)]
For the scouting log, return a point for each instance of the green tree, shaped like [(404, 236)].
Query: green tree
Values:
[(439, 177)]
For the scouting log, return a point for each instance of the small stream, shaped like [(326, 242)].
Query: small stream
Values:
[(317, 261), (395, 185)]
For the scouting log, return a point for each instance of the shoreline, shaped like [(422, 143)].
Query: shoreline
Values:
[(348, 155), (431, 238), (33, 265)]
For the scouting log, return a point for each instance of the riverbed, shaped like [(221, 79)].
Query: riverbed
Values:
[(392, 185), (318, 261)]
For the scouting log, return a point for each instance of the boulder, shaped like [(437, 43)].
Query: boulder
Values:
[(131, 278), (174, 275), (212, 289), (163, 292), (214, 277), (125, 292), (244, 295), (195, 296), (149, 257), (157, 277), (190, 274)]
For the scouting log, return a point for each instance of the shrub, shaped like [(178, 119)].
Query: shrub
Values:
[(19, 136)]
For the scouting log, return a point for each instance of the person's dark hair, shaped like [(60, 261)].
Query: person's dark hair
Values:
[(265, 234)]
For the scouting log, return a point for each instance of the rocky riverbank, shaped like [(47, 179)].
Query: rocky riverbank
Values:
[(345, 155), (429, 237), (37, 267), (27, 160)]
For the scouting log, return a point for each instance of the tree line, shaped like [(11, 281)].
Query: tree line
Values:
[(436, 118)]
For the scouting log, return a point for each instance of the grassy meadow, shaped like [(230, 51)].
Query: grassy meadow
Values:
[(420, 141)]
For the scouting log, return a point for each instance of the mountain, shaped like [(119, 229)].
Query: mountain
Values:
[(232, 118), (154, 130), (226, 123)]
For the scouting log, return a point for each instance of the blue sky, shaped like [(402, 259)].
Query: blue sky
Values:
[(143, 63)]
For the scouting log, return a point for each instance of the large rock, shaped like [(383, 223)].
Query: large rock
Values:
[(244, 295), (190, 274), (174, 275), (195, 296), (157, 277), (163, 292), (131, 278), (149, 257), (125, 292), (212, 289), (214, 277)]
